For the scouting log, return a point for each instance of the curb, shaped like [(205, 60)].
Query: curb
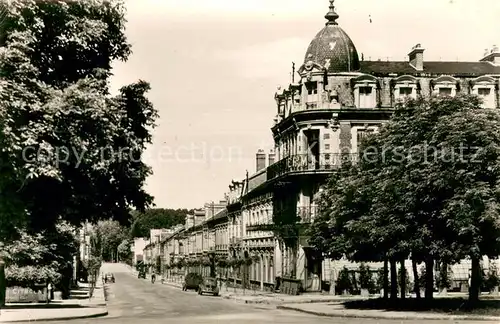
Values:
[(426, 318), (68, 318)]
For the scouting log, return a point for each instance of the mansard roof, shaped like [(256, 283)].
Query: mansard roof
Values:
[(470, 69)]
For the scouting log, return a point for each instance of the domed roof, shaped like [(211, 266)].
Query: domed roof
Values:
[(332, 47)]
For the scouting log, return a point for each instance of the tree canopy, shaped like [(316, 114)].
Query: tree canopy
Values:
[(70, 149), (156, 218)]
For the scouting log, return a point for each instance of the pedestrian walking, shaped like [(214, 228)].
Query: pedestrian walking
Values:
[(153, 278)]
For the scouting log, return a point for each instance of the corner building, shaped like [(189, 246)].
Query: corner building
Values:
[(337, 99)]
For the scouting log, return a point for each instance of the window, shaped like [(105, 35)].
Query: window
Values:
[(326, 136), (362, 133), (327, 146), (365, 91), (483, 92), (312, 88), (405, 92), (312, 94), (445, 92), (487, 96), (366, 97)]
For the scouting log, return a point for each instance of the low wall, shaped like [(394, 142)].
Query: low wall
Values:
[(24, 295)]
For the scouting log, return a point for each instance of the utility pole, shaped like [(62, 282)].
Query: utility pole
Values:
[(293, 72)]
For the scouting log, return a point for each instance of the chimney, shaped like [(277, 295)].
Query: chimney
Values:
[(260, 158), (492, 56), (272, 157), (417, 57)]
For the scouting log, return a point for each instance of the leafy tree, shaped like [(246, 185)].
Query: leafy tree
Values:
[(110, 235), (412, 194), (124, 253), (70, 150), (67, 137), (365, 277), (156, 218), (45, 257), (344, 281)]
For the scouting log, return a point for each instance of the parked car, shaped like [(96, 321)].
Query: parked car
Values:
[(192, 281), (109, 277), (209, 286), (141, 274)]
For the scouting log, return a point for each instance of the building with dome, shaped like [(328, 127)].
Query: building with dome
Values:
[(320, 120)]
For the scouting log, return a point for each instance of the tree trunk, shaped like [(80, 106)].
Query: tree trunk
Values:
[(403, 279), (416, 287), (429, 278), (476, 275), (386, 279), (394, 280)]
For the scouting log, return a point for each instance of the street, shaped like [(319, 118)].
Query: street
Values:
[(131, 300)]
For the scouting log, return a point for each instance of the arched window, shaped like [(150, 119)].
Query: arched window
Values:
[(485, 87), (405, 86), (365, 91), (445, 86)]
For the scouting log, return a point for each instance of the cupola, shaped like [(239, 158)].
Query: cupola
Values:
[(332, 48)]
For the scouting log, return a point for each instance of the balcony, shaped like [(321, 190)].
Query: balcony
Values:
[(307, 163), (235, 241)]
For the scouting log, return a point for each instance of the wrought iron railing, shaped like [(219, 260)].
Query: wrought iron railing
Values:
[(235, 240), (309, 163)]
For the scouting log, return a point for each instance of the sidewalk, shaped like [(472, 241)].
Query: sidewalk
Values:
[(338, 310), (78, 307), (262, 297)]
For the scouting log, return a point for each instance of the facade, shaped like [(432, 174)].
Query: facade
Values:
[(84, 232), (321, 118), (138, 249)]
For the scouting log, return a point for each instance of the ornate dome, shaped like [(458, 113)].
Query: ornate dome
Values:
[(332, 47)]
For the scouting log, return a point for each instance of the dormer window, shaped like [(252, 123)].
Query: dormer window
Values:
[(445, 86), (365, 92), (445, 92), (406, 86), (484, 87), (312, 94)]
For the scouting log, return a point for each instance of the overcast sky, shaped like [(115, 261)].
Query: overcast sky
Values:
[(214, 66)]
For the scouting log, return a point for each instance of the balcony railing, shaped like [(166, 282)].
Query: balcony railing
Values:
[(235, 240), (307, 214), (309, 163)]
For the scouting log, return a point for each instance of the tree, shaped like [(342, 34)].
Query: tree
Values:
[(67, 137), (35, 260), (110, 235), (412, 193), (156, 218), (124, 253)]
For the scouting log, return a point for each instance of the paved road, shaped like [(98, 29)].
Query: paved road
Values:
[(132, 300)]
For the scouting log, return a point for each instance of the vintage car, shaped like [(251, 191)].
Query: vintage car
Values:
[(209, 286), (192, 281), (109, 278)]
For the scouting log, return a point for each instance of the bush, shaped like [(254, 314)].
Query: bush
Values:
[(380, 279), (491, 280), (366, 277), (407, 281), (344, 282), (444, 277)]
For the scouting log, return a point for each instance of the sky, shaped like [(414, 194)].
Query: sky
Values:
[(215, 65)]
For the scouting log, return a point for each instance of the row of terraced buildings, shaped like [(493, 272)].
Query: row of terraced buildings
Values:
[(337, 99)]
